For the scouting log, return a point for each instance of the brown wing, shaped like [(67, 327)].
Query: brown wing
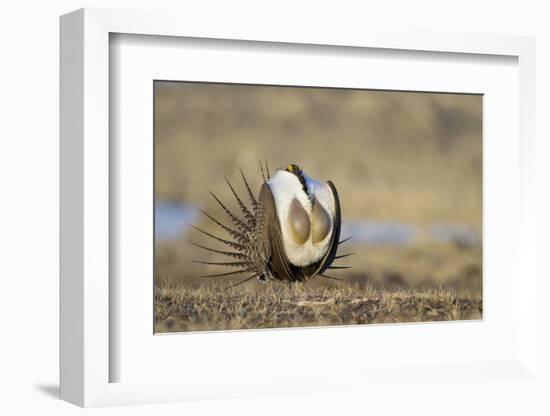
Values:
[(326, 261), (272, 238)]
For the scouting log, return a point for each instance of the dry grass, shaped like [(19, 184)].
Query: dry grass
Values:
[(271, 305)]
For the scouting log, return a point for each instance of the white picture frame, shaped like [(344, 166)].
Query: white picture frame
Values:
[(87, 356)]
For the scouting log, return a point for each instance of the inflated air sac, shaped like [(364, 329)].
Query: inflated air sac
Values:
[(320, 223), (299, 222)]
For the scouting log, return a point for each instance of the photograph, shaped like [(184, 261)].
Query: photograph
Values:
[(290, 206)]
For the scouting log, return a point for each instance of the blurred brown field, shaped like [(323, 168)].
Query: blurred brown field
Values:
[(393, 155), (407, 160)]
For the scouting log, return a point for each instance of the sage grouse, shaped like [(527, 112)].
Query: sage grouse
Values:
[(290, 232)]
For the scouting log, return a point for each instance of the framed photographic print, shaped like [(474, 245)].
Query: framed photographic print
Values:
[(266, 212)]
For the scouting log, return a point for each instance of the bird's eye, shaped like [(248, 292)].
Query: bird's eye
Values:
[(320, 223), (299, 222)]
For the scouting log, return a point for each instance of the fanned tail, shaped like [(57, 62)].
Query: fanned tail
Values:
[(231, 244), (245, 211), (242, 281), (234, 254), (228, 273), (243, 235), (251, 196), (234, 234), (265, 174), (240, 224), (224, 263)]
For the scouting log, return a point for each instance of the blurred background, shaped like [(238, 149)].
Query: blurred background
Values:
[(407, 166)]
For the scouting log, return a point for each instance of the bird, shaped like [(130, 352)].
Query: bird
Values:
[(288, 233)]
